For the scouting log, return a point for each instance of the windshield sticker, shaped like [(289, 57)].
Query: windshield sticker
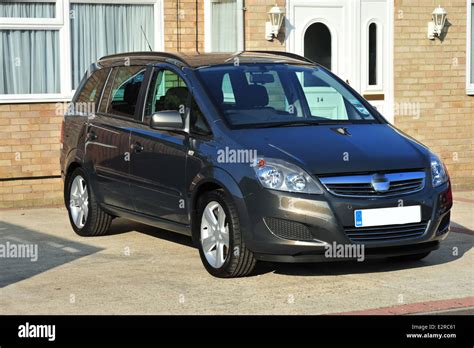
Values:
[(359, 107)]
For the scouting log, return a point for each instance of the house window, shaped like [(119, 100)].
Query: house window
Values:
[(373, 54), (373, 57), (27, 9), (93, 37), (46, 46), (223, 25), (470, 48), (29, 48), (29, 61)]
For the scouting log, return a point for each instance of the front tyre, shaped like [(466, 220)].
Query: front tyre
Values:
[(86, 216), (221, 245)]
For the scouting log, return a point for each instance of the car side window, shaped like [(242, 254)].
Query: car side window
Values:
[(91, 91), (167, 91), (123, 91)]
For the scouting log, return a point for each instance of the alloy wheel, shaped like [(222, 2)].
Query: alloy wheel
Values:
[(215, 234), (79, 201)]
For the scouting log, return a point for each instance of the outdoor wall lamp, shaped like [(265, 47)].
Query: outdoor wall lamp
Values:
[(272, 27), (435, 27)]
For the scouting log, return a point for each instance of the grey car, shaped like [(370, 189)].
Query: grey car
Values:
[(255, 155)]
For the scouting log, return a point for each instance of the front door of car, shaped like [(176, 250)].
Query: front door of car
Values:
[(158, 158), (107, 146)]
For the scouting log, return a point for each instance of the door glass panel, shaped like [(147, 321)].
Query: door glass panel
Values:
[(373, 54), (168, 91), (125, 90), (317, 44)]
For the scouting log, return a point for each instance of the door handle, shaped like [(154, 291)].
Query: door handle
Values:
[(91, 136), (137, 147)]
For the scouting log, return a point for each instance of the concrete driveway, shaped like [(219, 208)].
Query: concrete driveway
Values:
[(143, 270)]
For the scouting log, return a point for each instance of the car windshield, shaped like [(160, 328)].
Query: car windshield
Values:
[(273, 95)]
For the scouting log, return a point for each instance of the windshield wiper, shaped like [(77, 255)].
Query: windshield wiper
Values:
[(297, 124)]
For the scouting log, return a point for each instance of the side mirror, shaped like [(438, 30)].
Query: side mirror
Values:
[(167, 120)]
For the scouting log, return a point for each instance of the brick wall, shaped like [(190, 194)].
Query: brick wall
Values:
[(29, 147), (180, 25), (432, 75), (255, 18)]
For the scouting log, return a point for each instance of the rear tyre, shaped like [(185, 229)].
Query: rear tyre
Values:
[(221, 245), (86, 217), (413, 257)]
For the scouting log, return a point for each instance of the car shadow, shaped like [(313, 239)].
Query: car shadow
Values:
[(25, 253), (120, 226), (461, 240)]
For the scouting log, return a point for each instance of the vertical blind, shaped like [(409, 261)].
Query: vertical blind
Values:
[(101, 29), (29, 61), (224, 26)]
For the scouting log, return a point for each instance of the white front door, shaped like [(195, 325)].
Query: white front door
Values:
[(350, 37)]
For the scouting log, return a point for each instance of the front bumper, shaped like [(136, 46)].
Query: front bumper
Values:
[(326, 217)]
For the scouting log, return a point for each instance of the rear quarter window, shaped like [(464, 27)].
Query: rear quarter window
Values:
[(121, 93), (89, 95)]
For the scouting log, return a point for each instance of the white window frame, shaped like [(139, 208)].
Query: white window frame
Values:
[(208, 25), (61, 23), (469, 43)]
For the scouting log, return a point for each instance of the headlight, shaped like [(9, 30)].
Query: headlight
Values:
[(279, 175), (438, 171)]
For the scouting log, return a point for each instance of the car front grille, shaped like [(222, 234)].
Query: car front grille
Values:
[(386, 233), (363, 185)]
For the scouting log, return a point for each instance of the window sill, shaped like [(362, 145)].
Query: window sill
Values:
[(33, 98)]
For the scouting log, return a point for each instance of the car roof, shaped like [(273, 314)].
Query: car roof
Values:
[(197, 60)]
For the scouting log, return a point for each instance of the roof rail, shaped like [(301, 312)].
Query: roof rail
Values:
[(286, 54), (165, 55)]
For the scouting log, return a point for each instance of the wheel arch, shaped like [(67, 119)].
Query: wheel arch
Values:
[(216, 179)]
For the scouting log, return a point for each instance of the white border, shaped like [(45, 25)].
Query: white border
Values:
[(61, 23), (469, 43), (208, 25)]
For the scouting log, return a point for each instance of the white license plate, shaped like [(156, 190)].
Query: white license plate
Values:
[(387, 216)]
